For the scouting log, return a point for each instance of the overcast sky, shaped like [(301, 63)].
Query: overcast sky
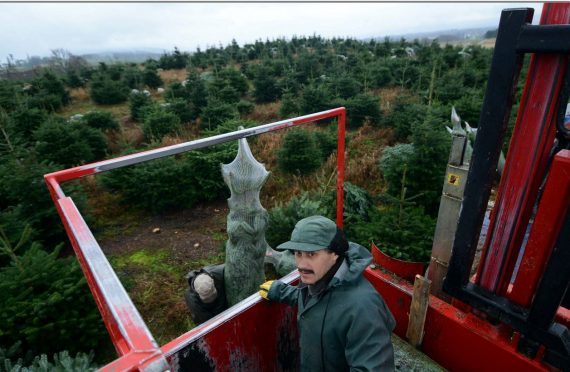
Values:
[(36, 28)]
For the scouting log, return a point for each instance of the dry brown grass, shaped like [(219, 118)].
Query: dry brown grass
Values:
[(388, 97), (170, 76), (131, 134), (364, 149), (488, 43), (79, 95), (265, 113)]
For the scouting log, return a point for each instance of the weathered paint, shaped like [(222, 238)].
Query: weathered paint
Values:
[(254, 335)]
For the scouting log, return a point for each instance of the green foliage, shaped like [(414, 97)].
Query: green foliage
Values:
[(432, 144), (403, 233), (69, 144), (172, 183), (235, 79), (25, 121), (12, 228), (450, 86), (282, 218), (176, 60), (224, 92), (106, 91), (326, 141), (403, 116), (24, 198), (346, 87), (265, 85), (356, 207), (380, 76), (158, 123), (394, 162), (183, 109), (9, 95), (357, 203), (316, 98), (289, 105), (469, 107), (216, 112), (151, 79), (196, 86), (300, 153), (62, 362), (177, 90), (47, 92), (46, 304), (101, 120), (131, 76), (362, 108), (230, 126), (137, 103), (73, 80), (245, 107)]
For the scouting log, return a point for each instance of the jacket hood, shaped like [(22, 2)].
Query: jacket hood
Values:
[(356, 261)]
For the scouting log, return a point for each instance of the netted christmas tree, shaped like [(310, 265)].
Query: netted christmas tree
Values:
[(246, 224)]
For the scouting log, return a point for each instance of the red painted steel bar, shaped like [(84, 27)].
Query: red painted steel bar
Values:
[(545, 230), (129, 333), (340, 168), (525, 166)]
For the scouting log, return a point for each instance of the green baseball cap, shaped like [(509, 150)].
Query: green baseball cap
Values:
[(311, 234)]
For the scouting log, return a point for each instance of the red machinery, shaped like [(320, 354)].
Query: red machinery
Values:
[(519, 287)]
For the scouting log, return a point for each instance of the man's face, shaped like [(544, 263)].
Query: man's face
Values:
[(314, 265)]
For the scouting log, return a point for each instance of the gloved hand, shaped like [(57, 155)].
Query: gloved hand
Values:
[(264, 289)]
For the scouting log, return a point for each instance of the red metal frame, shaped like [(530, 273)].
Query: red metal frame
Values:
[(545, 229), (457, 340), (526, 162), (404, 269), (133, 341)]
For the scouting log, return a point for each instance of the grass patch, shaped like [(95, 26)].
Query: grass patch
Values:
[(154, 261), (156, 285), (211, 260)]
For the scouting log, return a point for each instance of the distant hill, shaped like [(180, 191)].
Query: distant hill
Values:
[(135, 56), (443, 36)]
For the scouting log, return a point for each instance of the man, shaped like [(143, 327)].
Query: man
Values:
[(343, 322), (206, 297)]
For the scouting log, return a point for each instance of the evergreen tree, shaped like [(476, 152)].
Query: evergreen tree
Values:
[(265, 85), (69, 144), (300, 153)]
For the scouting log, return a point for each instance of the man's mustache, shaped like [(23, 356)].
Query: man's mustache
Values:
[(305, 271)]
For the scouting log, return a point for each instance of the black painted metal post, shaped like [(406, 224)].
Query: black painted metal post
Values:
[(505, 69)]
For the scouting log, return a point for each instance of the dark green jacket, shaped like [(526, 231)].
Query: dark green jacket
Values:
[(348, 327)]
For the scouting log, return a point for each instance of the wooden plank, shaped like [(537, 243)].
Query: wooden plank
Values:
[(418, 310)]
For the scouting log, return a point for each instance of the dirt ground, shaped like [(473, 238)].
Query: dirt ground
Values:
[(188, 235), (152, 256)]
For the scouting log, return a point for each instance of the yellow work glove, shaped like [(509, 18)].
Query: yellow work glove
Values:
[(264, 289)]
